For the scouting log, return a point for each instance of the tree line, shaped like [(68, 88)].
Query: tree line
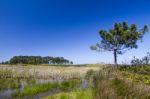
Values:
[(37, 60)]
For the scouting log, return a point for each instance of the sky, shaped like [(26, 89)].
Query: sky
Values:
[(67, 27)]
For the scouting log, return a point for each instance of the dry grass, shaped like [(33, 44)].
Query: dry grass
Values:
[(54, 72), (111, 84)]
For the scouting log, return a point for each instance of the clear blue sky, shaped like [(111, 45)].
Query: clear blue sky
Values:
[(67, 27)]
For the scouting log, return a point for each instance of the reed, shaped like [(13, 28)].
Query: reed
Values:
[(80, 94)]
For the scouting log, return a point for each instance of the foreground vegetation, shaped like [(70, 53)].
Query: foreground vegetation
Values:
[(124, 82), (87, 94), (113, 84), (31, 81)]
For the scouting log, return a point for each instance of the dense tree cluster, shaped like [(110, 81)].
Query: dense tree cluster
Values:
[(38, 60)]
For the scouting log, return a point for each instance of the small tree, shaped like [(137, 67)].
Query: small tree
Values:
[(119, 39)]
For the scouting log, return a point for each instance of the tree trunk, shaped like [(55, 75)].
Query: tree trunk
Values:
[(115, 57)]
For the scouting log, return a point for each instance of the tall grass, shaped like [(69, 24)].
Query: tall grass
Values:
[(68, 85), (80, 94), (111, 84), (9, 83), (45, 72)]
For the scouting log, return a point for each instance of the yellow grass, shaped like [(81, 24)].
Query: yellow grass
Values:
[(49, 71)]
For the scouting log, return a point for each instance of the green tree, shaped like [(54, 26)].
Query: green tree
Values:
[(37, 60), (120, 38)]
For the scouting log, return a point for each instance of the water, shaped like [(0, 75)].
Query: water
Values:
[(44, 94), (6, 94), (84, 84)]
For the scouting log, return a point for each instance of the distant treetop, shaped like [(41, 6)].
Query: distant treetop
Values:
[(38, 60)]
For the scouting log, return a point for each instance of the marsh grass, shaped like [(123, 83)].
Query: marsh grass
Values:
[(137, 73), (121, 88), (139, 69), (109, 83), (125, 82), (78, 94), (70, 84), (45, 72), (6, 73), (34, 89), (61, 75), (9, 83)]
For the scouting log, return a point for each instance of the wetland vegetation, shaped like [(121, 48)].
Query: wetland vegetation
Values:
[(40, 81), (96, 82)]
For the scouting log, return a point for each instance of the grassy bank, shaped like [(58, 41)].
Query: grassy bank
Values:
[(117, 84), (79, 94)]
